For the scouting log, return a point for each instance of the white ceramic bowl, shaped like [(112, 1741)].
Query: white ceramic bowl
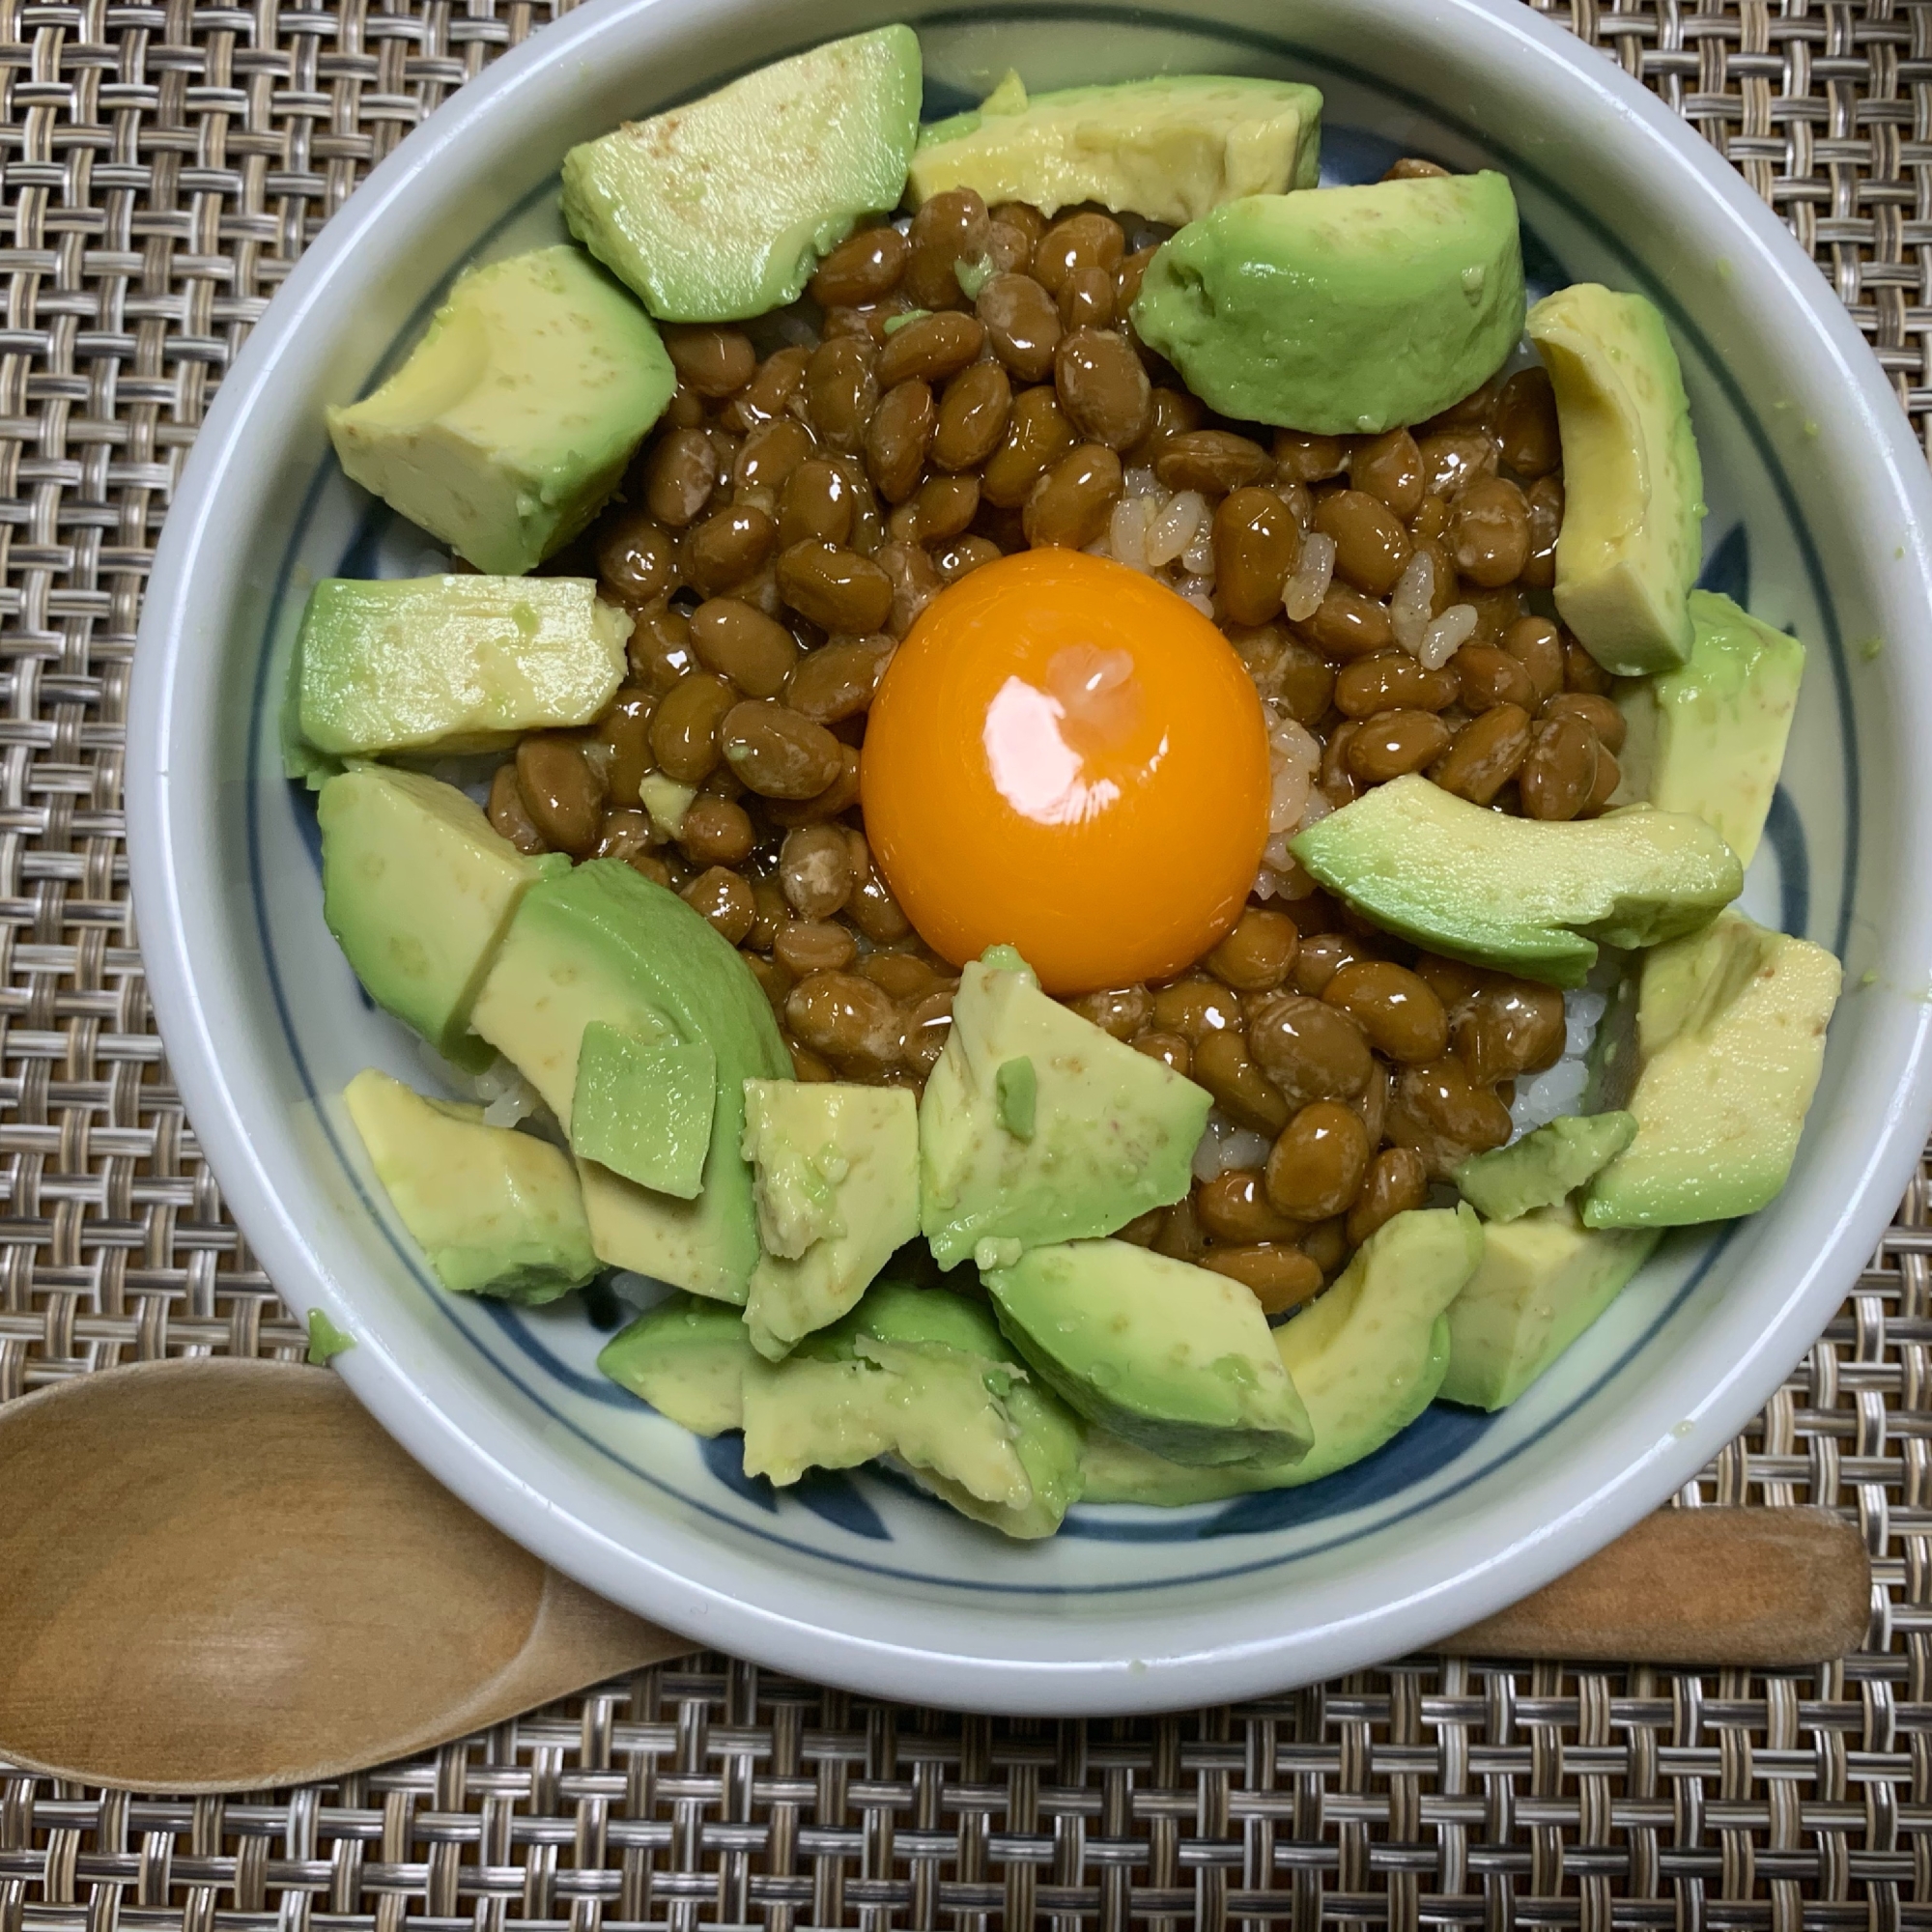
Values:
[(1820, 515)]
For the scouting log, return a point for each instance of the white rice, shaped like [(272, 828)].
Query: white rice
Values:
[(1224, 1147), (1410, 604), (508, 1098), (1446, 635), (1308, 584), (1559, 1090), (1173, 530), (1167, 534)]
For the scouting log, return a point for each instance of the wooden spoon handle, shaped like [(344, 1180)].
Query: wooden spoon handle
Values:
[(1770, 1590)]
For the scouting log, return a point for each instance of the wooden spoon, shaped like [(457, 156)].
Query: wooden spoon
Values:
[(1764, 1589), (230, 1579), (220, 1574)]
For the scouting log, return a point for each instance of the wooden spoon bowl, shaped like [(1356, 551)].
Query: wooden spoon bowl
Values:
[(233, 1579)]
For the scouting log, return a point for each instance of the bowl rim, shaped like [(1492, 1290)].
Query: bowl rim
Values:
[(162, 816)]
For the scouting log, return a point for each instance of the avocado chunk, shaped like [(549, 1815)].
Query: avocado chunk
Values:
[(495, 1211), (1633, 488), (1169, 149), (687, 1358), (1367, 1356), (932, 1409), (1111, 1133), (1708, 737), (1546, 1166), (1531, 897), (1016, 1098), (837, 1186), (1341, 310), (326, 1340), (514, 417), (601, 942), (807, 1412), (644, 1112), (1176, 1358), (1045, 1434), (300, 762), (1543, 1281), (1730, 1040), (449, 665), (1372, 1344), (665, 801), (1047, 1439), (418, 888), (720, 210)]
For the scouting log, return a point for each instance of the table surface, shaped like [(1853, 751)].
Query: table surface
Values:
[(164, 166)]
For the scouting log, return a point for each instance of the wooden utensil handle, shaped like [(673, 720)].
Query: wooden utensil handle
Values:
[(1763, 1588)]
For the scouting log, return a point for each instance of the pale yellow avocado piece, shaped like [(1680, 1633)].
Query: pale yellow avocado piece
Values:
[(418, 888), (687, 1358), (1708, 738), (495, 1211), (1174, 1357), (718, 210), (1542, 1167), (1112, 1133), (541, 994), (1168, 149), (1367, 1356), (1730, 1041), (1634, 487), (1527, 896), (449, 664), (601, 942), (930, 1407), (1544, 1279), (665, 801), (946, 1420), (803, 1413), (836, 1179), (952, 1335), (514, 417)]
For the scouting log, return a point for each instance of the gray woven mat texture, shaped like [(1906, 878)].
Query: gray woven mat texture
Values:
[(164, 167)]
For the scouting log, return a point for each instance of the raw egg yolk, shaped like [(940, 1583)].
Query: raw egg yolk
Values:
[(1066, 756)]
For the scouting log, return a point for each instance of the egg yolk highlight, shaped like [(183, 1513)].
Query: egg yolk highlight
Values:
[(1066, 757)]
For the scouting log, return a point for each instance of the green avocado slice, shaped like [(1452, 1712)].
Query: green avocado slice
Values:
[(1529, 897), (939, 1410), (1708, 737), (1543, 1281), (718, 210), (837, 1187), (1047, 1434), (448, 664), (418, 888), (1341, 310), (1167, 149), (644, 1112), (514, 417), (1730, 1041), (1036, 1126), (687, 1357), (1367, 1356), (1546, 1166), (497, 1213), (604, 943), (1633, 501), (1176, 1358)]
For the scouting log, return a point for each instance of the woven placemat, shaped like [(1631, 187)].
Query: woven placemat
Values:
[(164, 165)]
